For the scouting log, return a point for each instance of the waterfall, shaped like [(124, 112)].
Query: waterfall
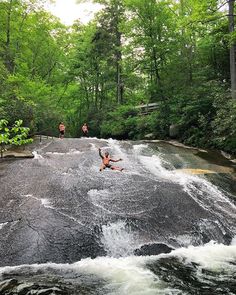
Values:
[(67, 222)]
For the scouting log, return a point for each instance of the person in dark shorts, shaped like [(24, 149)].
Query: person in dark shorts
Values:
[(106, 159), (62, 129), (85, 130)]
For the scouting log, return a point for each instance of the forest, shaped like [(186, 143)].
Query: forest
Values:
[(177, 54)]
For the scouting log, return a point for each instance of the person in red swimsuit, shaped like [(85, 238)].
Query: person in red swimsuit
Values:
[(106, 162)]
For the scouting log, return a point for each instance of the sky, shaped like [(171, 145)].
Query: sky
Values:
[(68, 10)]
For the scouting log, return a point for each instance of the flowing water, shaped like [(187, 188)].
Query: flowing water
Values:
[(166, 225)]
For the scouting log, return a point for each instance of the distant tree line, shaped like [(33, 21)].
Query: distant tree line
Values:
[(180, 54)]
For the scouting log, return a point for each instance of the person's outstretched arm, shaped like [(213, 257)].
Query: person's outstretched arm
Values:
[(100, 154), (112, 160)]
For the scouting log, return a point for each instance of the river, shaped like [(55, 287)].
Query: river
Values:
[(165, 225)]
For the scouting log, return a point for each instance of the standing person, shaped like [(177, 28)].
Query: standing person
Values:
[(62, 129), (106, 159), (85, 129)]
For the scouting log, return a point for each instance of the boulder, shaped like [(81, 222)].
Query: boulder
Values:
[(149, 136), (153, 249), (174, 131), (18, 154)]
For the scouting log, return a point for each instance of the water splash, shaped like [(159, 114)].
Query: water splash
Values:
[(212, 256), (115, 146), (36, 155), (3, 224), (70, 153), (201, 190), (118, 239), (46, 203), (133, 275)]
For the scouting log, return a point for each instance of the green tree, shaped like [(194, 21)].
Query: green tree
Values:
[(14, 135)]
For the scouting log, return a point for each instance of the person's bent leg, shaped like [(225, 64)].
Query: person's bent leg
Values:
[(117, 168)]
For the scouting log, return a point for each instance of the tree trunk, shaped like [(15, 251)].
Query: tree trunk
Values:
[(97, 81), (2, 148), (156, 71), (119, 79), (8, 58), (119, 82), (232, 50)]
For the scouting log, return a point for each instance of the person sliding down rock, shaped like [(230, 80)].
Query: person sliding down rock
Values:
[(106, 162)]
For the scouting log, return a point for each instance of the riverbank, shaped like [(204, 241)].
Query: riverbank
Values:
[(17, 154), (25, 152), (227, 156)]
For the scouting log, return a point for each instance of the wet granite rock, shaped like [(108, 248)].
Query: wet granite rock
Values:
[(174, 130), (18, 154), (152, 249), (49, 291), (13, 287), (7, 285)]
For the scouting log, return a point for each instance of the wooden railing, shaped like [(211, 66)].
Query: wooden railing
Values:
[(45, 133), (40, 136), (148, 108)]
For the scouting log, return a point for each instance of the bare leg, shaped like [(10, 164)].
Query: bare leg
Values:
[(117, 168)]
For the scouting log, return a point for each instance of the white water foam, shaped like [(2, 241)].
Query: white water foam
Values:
[(118, 239), (140, 147), (3, 224), (202, 191), (44, 202), (233, 243), (93, 147), (36, 155), (212, 256), (89, 138), (130, 273), (125, 276), (70, 153), (130, 276), (114, 146)]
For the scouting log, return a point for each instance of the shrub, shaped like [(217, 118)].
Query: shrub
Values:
[(15, 135)]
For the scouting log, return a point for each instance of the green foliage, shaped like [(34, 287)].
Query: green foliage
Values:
[(172, 52), (120, 123), (15, 135), (33, 64), (4, 132), (126, 122), (195, 117), (224, 124)]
